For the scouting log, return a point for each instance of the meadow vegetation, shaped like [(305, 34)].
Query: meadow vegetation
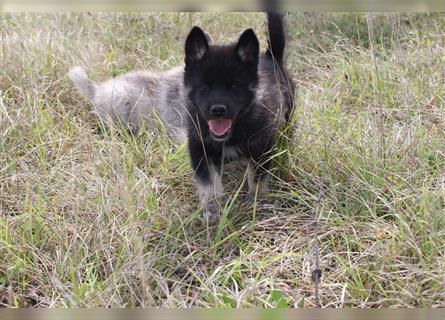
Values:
[(94, 217)]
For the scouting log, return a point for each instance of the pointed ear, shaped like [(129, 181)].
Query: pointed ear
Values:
[(208, 37), (196, 46), (248, 47)]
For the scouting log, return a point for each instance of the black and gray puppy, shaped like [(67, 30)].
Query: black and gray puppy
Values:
[(237, 99), (227, 102)]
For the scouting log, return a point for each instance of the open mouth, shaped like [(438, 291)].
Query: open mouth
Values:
[(220, 128)]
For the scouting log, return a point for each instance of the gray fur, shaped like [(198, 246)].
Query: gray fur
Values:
[(130, 99)]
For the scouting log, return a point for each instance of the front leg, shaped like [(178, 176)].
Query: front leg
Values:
[(206, 164), (258, 176)]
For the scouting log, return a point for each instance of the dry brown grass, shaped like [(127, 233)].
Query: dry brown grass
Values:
[(91, 218)]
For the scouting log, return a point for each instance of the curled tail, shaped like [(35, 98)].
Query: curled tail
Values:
[(84, 85), (276, 36)]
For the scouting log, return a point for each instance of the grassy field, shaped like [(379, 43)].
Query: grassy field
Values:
[(96, 218)]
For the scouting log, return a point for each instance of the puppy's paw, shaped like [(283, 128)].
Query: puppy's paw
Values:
[(211, 212), (250, 198), (258, 198)]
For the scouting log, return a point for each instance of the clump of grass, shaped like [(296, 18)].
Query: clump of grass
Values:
[(104, 218)]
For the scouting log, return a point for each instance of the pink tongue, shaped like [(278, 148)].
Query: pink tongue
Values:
[(220, 126)]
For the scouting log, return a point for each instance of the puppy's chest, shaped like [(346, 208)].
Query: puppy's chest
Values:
[(233, 153)]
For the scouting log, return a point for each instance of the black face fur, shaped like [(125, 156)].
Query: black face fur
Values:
[(221, 80)]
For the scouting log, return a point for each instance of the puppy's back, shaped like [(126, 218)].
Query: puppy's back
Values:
[(130, 99)]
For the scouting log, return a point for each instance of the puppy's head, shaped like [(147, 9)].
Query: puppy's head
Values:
[(221, 79)]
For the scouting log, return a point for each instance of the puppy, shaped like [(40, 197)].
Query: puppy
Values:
[(227, 102), (236, 100)]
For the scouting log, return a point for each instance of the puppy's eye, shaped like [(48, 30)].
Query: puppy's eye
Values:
[(204, 86), (233, 85)]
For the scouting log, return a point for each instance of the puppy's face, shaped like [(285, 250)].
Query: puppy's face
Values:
[(221, 80)]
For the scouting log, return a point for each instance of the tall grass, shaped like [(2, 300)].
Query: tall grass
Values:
[(93, 217)]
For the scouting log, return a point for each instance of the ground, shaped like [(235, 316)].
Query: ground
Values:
[(104, 218)]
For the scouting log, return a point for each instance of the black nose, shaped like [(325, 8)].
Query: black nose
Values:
[(218, 110)]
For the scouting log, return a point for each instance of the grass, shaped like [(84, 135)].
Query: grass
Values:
[(91, 218)]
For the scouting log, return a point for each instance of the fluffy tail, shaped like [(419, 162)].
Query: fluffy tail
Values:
[(84, 85), (277, 39)]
